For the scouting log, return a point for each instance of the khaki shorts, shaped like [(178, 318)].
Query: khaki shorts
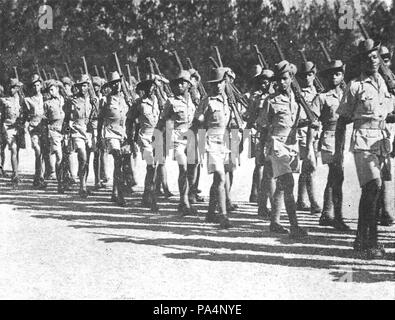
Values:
[(79, 143), (112, 145), (92, 141), (55, 141), (217, 153), (10, 136), (371, 166)]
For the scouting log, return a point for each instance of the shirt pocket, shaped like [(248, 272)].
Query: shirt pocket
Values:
[(366, 102)]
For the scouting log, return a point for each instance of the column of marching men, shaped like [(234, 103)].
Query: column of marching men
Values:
[(95, 119)]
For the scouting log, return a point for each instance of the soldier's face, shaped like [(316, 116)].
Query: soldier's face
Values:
[(372, 62), (308, 79), (83, 88), (181, 87), (194, 81), (218, 87), (387, 59), (264, 85), (37, 87), (14, 90), (54, 91), (337, 78), (96, 88), (284, 82), (116, 87)]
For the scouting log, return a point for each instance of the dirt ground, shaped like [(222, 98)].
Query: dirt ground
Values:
[(62, 247)]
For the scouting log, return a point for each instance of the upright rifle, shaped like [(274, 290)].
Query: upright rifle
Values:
[(158, 91), (68, 70), (55, 73), (138, 74), (129, 75), (96, 71), (201, 88), (81, 71), (317, 82), (296, 89), (103, 70), (44, 74), (129, 95), (38, 70), (329, 60), (263, 63), (20, 126), (386, 72), (166, 86)]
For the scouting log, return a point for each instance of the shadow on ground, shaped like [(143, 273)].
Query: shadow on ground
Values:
[(193, 239)]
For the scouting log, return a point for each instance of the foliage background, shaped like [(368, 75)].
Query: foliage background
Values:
[(140, 28)]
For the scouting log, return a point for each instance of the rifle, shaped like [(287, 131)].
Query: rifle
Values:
[(81, 71), (38, 70), (129, 95), (213, 62), (178, 60), (55, 73), (329, 60), (129, 74), (317, 82), (263, 63), (16, 72), (296, 89), (158, 91), (166, 86), (201, 88), (44, 74), (138, 74), (386, 72), (103, 70), (96, 71)]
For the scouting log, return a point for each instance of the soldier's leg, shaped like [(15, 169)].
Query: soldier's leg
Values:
[(2, 158), (14, 162), (386, 215), (59, 169), (278, 196), (128, 171), (337, 175), (311, 187), (82, 168), (302, 204), (327, 217), (118, 177), (35, 139), (220, 197), (192, 170), (266, 190), (256, 178)]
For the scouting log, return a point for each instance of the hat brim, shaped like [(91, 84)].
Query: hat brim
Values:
[(109, 83), (142, 85), (180, 79), (332, 70)]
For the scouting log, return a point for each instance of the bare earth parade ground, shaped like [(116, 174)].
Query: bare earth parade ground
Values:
[(62, 247)]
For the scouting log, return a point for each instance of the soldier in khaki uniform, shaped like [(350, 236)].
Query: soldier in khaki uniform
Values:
[(281, 120), (112, 132), (325, 106), (54, 116), (78, 110), (366, 103), (2, 142), (178, 113), (255, 119), (307, 177), (146, 110), (214, 114), (33, 110), (11, 122)]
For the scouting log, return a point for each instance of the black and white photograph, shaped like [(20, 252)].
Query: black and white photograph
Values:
[(197, 150)]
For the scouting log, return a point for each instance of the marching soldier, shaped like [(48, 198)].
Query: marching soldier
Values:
[(325, 106), (180, 111), (11, 122), (112, 133), (77, 113), (3, 144), (54, 115), (146, 110), (255, 119), (67, 85), (385, 215), (281, 119), (214, 113), (307, 177), (33, 109), (366, 103)]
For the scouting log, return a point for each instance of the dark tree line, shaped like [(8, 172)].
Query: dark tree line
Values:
[(137, 29)]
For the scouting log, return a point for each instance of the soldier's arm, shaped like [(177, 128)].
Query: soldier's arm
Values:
[(201, 111)]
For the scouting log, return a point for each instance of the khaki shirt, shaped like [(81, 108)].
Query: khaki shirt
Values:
[(367, 103), (79, 110), (216, 112), (308, 94), (325, 106), (180, 111), (10, 110), (33, 108), (146, 111), (113, 113), (54, 113)]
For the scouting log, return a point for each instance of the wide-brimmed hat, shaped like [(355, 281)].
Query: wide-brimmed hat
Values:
[(307, 67), (98, 81), (194, 73), (283, 67), (146, 83), (256, 70), (67, 80), (52, 82), (266, 74), (35, 78), (114, 78), (367, 46), (15, 83), (83, 79), (183, 75), (334, 66), (230, 73), (217, 74)]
